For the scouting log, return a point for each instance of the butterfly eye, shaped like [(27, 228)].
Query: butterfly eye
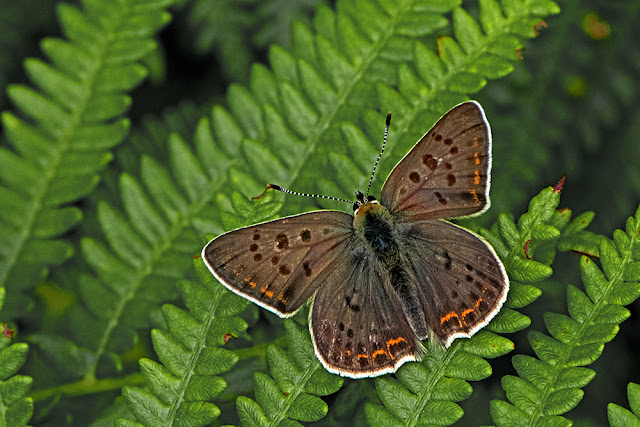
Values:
[(371, 199), (356, 205)]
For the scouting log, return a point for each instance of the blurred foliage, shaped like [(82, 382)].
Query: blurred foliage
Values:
[(211, 121)]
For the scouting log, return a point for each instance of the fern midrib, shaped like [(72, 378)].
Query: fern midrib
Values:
[(360, 70), (146, 269), (434, 378), (575, 341), (442, 84), (293, 394), (193, 360), (57, 156)]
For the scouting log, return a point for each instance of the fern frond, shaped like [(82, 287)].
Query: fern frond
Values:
[(424, 393), (180, 389), (621, 417), (267, 136), (429, 84), (62, 136), (15, 408), (292, 393), (596, 77), (551, 385)]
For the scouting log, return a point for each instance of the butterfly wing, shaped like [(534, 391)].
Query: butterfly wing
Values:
[(447, 173), (358, 326), (458, 277), (280, 264)]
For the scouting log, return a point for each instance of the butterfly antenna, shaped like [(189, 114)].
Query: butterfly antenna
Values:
[(384, 142), (295, 193)]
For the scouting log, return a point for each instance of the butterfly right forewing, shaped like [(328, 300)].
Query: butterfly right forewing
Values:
[(447, 173)]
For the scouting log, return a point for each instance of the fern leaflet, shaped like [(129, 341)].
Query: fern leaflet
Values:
[(621, 417), (15, 408), (180, 388), (62, 141), (424, 393), (550, 385)]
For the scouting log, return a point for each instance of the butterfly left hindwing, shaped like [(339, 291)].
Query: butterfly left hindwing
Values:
[(358, 326)]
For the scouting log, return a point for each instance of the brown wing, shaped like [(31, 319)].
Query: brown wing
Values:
[(447, 173), (460, 280), (358, 326), (280, 264)]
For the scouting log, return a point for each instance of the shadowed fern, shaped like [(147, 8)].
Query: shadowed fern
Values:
[(265, 23), (15, 407), (66, 127), (550, 385)]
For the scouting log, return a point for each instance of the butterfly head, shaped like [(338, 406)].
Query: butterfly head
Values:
[(362, 200)]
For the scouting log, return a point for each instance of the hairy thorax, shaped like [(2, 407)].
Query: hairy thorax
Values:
[(374, 225)]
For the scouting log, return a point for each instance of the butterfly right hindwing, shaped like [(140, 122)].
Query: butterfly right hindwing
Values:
[(458, 277)]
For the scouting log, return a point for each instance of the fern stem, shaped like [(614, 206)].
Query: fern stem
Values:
[(294, 393), (359, 72), (87, 386), (259, 350), (597, 306), (437, 373)]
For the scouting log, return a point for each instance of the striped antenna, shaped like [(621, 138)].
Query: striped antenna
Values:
[(384, 142), (295, 193)]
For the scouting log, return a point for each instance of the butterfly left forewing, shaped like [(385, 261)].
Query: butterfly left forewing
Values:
[(447, 173), (280, 264), (460, 280)]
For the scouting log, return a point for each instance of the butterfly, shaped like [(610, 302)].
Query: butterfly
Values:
[(395, 272)]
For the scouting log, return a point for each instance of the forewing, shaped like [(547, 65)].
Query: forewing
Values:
[(447, 173), (358, 327), (280, 264), (461, 282)]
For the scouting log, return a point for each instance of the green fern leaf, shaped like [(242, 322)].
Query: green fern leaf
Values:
[(551, 385), (15, 408), (424, 393), (621, 417), (429, 84), (292, 393), (165, 214), (61, 137), (179, 389)]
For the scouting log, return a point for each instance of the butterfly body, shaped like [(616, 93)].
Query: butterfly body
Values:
[(374, 225), (393, 274)]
